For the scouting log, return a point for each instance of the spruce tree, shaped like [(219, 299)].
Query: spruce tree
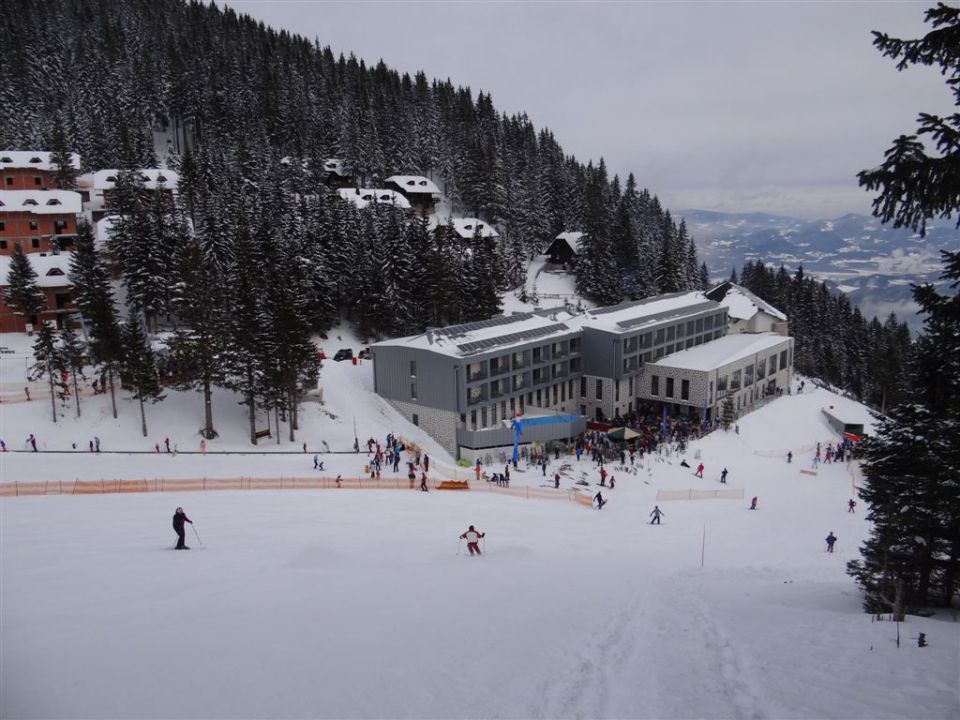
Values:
[(92, 290), (49, 363), (73, 355), (139, 365), (22, 294), (912, 465)]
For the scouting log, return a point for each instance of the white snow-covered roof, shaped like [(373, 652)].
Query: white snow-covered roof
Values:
[(52, 270), (335, 166), (38, 159), (151, 178), (849, 412), (40, 202), (466, 227), (496, 333), (361, 197), (631, 316), (723, 351), (415, 184), (743, 304), (573, 238)]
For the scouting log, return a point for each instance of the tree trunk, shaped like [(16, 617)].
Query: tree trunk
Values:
[(253, 419), (53, 395), (208, 432), (293, 417), (899, 611), (76, 392), (113, 392), (276, 415), (143, 414)]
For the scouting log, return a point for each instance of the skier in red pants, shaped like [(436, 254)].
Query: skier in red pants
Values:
[(473, 540)]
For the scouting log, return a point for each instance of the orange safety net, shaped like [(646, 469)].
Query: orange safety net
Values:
[(99, 487)]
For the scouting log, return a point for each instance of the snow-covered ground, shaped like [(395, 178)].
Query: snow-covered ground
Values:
[(356, 603)]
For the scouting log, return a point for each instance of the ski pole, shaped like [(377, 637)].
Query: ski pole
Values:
[(459, 542), (197, 534), (484, 541)]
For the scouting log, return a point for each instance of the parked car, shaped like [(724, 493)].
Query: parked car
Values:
[(343, 354)]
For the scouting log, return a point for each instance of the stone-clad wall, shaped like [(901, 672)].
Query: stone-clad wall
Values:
[(441, 425)]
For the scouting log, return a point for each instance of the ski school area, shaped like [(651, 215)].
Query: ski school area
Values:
[(305, 597)]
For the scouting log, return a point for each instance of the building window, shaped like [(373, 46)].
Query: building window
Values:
[(473, 419), (3, 226), (735, 380), (671, 333), (413, 391), (783, 360), (700, 325), (9, 180), (631, 387), (483, 417), (748, 376), (583, 409), (659, 339), (33, 225), (616, 391), (583, 387), (669, 349), (680, 330), (416, 420), (35, 243), (684, 389), (37, 180), (570, 389), (413, 368), (599, 390), (654, 384), (669, 387), (3, 244), (708, 322)]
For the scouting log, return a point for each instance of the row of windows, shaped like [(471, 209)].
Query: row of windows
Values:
[(669, 387), (490, 416), (525, 358), (635, 362), (34, 244), (673, 332), (737, 379), (37, 180)]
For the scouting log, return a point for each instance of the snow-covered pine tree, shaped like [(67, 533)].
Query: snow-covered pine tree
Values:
[(22, 294), (64, 173), (73, 356), (139, 365), (90, 275), (49, 363), (198, 297)]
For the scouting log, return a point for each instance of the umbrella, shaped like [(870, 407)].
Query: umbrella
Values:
[(622, 433)]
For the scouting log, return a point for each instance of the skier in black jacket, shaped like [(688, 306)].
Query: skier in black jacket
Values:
[(179, 518)]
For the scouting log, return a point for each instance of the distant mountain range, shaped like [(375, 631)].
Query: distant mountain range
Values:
[(873, 264)]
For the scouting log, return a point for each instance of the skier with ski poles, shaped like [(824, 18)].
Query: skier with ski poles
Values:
[(472, 536), (831, 540), (657, 512), (179, 518)]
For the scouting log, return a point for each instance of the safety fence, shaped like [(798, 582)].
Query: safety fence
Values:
[(149, 485), (691, 494)]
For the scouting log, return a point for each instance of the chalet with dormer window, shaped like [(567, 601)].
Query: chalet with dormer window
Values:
[(363, 197), (39, 220), (335, 174), (29, 169), (422, 192)]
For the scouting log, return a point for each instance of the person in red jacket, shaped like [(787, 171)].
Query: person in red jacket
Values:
[(472, 536), (179, 518)]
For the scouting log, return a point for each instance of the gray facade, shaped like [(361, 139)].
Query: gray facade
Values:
[(464, 383), (747, 381)]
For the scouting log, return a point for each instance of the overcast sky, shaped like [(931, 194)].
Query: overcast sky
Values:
[(732, 106)]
